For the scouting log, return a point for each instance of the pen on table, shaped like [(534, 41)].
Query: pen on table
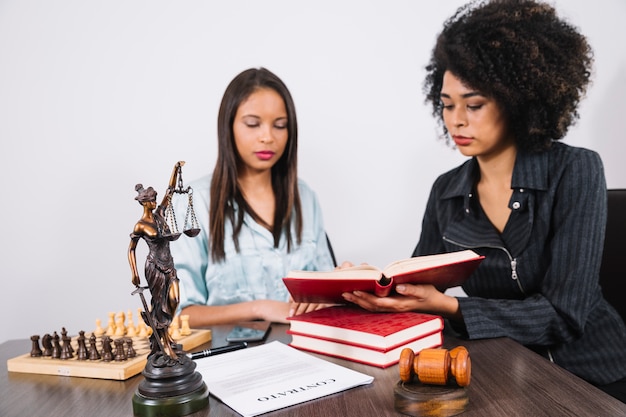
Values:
[(216, 351)]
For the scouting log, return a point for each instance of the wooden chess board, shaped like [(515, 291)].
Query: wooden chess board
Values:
[(119, 370)]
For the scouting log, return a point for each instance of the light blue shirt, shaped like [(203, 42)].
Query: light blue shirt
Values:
[(256, 272)]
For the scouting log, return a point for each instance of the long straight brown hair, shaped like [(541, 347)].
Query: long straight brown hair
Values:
[(225, 191)]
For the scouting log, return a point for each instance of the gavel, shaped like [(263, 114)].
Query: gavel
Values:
[(436, 366)]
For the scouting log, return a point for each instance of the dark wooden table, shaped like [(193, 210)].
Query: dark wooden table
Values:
[(507, 380)]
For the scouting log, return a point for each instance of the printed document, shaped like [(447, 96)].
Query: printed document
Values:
[(269, 377)]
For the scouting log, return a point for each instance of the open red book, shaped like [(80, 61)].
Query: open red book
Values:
[(443, 270)]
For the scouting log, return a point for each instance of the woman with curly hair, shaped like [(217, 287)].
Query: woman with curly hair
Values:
[(505, 79)]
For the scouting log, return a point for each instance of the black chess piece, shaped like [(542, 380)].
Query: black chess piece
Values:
[(94, 355), (63, 336), (46, 343), (66, 350), (130, 350), (56, 346), (35, 351), (120, 354), (107, 351), (81, 352)]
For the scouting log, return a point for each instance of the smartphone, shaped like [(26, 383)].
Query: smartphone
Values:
[(251, 331)]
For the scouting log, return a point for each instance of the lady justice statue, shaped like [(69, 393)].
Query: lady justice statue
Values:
[(171, 383)]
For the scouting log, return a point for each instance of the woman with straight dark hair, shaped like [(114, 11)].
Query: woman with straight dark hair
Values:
[(260, 221)]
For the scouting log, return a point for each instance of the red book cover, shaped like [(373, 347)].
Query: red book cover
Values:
[(372, 357), (443, 270), (359, 327)]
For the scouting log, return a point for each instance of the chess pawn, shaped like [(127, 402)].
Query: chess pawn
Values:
[(131, 331), (142, 330), (110, 325), (173, 323), (120, 353), (174, 329), (99, 330), (185, 330), (119, 327), (130, 350), (436, 366), (122, 317)]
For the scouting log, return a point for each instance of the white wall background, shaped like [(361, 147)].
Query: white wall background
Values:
[(96, 96)]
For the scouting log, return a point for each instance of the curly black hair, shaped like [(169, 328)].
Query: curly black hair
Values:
[(519, 52)]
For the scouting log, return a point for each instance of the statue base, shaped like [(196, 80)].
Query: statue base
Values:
[(171, 388), (180, 405)]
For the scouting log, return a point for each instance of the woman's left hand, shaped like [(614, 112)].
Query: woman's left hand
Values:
[(296, 309)]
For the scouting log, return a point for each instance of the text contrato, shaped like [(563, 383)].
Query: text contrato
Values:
[(296, 390)]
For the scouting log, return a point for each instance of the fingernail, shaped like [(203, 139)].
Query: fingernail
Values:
[(401, 288)]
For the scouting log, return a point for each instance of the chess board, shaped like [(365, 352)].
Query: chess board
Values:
[(118, 370)]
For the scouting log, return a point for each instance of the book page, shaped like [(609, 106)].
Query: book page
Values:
[(269, 377), (428, 261), (357, 271)]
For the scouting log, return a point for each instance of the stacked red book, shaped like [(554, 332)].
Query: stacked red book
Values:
[(361, 336)]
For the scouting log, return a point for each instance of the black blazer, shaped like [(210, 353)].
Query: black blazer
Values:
[(539, 281)]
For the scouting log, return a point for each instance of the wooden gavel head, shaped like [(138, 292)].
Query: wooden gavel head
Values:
[(436, 366)]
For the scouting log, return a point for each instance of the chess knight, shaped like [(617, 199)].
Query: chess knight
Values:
[(171, 383)]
